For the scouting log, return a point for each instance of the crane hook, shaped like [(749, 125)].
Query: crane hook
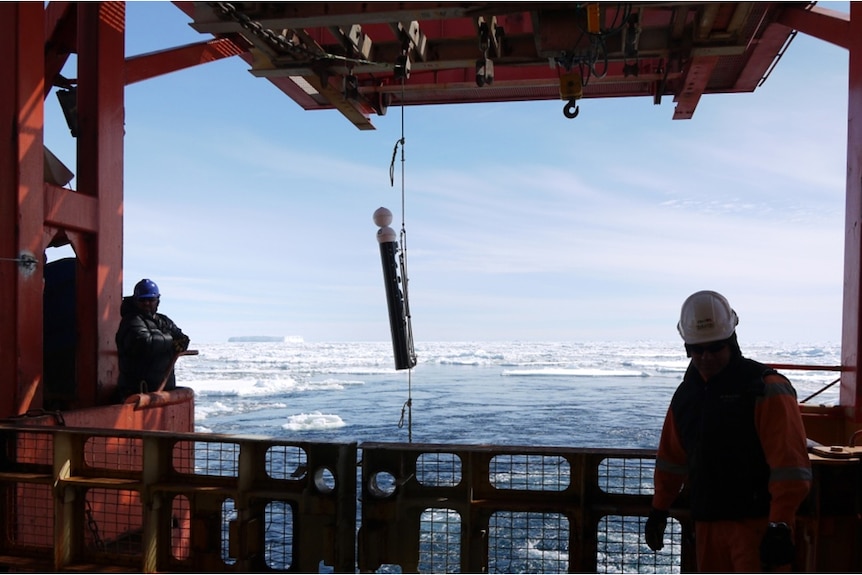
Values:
[(571, 109)]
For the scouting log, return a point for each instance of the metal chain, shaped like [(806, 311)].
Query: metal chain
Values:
[(93, 526), (278, 41), (228, 10)]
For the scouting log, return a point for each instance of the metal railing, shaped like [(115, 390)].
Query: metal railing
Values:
[(155, 501)]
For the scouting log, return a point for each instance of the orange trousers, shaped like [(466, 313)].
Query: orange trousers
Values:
[(730, 546)]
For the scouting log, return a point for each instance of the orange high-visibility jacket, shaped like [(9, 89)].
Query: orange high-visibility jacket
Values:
[(737, 442)]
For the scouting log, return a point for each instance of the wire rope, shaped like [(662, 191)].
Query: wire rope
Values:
[(407, 408)]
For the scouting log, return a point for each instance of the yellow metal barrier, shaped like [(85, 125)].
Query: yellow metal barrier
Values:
[(154, 501), (97, 500), (495, 509)]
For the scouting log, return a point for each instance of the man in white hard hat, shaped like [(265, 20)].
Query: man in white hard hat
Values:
[(733, 434)]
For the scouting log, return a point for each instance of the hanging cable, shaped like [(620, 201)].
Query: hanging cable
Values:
[(403, 264), (395, 276)]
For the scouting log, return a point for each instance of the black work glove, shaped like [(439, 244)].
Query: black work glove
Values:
[(656, 523), (181, 343), (777, 547)]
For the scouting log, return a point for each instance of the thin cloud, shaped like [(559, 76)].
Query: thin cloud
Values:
[(254, 216)]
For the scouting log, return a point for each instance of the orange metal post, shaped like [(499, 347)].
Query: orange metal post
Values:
[(851, 343), (22, 45), (845, 31), (101, 58), (8, 210)]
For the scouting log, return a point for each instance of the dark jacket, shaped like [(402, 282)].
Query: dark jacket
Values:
[(738, 442), (729, 475), (147, 346)]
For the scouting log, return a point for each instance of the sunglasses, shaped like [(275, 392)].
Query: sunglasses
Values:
[(697, 349)]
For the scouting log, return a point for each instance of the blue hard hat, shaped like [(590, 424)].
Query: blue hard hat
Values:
[(146, 289)]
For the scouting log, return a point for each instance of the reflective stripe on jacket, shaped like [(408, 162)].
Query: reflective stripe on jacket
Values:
[(738, 442)]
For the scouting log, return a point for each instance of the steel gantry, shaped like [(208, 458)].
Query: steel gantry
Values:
[(359, 59)]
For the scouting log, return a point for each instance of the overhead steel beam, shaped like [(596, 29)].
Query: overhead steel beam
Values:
[(821, 23), (151, 65), (695, 79), (293, 15)]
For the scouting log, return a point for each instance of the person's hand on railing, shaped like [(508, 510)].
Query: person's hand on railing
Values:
[(181, 344)]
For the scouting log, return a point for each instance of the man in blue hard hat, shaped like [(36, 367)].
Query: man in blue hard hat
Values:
[(148, 343)]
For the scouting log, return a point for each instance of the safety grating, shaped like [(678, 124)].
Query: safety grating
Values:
[(29, 509), (180, 539), (438, 469), (109, 453), (626, 476), (220, 459), (454, 508), (114, 518), (528, 542), (286, 462), (530, 472), (34, 448), (278, 518), (622, 549), (440, 541)]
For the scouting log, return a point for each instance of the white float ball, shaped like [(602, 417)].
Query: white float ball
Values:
[(385, 234), (382, 217)]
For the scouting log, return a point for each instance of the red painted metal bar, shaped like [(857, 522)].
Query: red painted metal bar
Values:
[(31, 206), (21, 207), (827, 25), (845, 31), (762, 58), (101, 61), (697, 76), (147, 66), (70, 211), (851, 392), (9, 46)]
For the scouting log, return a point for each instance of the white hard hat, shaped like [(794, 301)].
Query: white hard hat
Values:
[(706, 316)]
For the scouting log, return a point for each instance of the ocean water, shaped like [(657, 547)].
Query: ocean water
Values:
[(571, 394)]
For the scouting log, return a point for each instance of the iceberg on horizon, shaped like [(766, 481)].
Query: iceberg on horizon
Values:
[(265, 338)]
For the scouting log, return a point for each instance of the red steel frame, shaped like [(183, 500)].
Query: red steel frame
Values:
[(846, 31), (851, 336), (22, 209), (34, 42)]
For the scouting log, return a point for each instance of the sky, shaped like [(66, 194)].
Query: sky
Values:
[(254, 216)]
